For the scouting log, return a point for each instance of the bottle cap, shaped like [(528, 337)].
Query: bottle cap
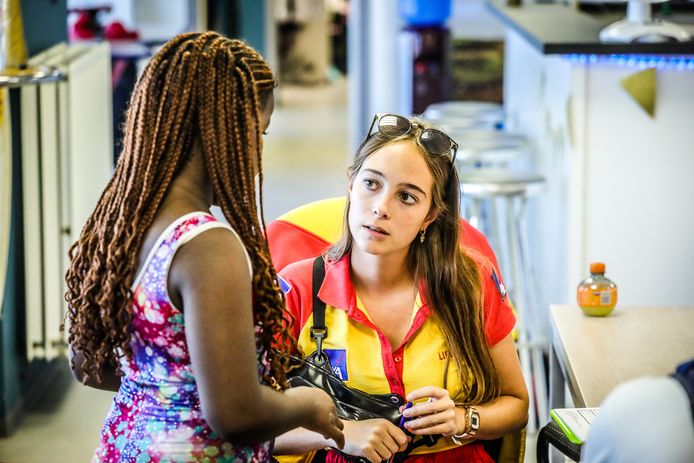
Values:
[(597, 267)]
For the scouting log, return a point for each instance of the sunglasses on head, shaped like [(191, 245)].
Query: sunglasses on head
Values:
[(434, 141)]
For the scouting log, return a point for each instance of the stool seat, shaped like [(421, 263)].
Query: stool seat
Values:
[(486, 146), (486, 183), (479, 114)]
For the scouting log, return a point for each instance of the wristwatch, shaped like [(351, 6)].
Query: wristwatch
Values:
[(472, 425)]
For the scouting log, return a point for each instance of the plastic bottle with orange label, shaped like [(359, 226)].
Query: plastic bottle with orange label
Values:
[(597, 295)]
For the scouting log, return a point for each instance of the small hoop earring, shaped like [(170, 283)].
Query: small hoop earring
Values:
[(422, 235)]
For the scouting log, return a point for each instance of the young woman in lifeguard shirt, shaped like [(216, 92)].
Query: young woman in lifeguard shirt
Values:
[(409, 311)]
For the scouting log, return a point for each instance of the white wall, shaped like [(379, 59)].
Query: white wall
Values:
[(536, 98), (619, 182), (472, 19)]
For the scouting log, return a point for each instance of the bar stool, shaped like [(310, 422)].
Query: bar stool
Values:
[(509, 190), (480, 115), (488, 148), (477, 126)]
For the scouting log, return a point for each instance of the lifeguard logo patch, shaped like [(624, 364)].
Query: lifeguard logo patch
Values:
[(499, 285), (284, 286), (338, 361)]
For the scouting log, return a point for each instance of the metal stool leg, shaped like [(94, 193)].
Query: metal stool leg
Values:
[(509, 191), (473, 212), (524, 319), (501, 245), (537, 343)]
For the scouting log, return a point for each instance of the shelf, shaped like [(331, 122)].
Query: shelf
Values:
[(559, 30)]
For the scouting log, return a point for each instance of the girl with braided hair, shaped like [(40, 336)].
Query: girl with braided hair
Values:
[(169, 307)]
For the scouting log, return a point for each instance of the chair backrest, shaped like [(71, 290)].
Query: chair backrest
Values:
[(309, 229)]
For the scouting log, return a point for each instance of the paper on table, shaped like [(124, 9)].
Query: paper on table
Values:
[(575, 422)]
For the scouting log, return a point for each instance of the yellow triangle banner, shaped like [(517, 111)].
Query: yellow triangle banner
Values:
[(14, 35), (641, 87)]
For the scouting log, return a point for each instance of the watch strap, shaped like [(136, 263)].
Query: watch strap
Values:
[(472, 425)]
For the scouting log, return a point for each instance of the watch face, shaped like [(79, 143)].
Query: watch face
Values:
[(475, 420)]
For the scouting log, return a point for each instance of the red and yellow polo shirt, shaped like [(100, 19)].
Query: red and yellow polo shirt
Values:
[(362, 355)]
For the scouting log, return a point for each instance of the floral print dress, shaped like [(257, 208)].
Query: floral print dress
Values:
[(156, 414)]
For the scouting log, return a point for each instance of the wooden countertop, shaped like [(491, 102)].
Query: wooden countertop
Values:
[(558, 29), (598, 353)]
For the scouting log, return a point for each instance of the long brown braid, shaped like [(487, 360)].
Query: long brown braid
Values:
[(199, 88)]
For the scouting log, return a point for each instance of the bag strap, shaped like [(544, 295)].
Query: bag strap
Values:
[(318, 330)]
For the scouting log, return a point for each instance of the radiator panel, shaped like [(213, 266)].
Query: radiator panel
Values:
[(90, 131), (53, 261), (67, 161), (33, 228)]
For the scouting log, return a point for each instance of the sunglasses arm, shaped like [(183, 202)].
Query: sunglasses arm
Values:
[(373, 122)]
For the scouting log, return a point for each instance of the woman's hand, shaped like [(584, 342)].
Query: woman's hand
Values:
[(438, 415), (376, 440), (322, 416)]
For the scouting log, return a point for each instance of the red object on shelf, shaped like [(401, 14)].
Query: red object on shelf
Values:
[(87, 26), (116, 31), (84, 27)]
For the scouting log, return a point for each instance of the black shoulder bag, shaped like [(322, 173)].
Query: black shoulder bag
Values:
[(351, 404)]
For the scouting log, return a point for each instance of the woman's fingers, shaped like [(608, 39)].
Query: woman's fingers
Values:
[(335, 431), (427, 408), (401, 439), (447, 429), (432, 405), (427, 392), (384, 453), (436, 415), (433, 419), (376, 440), (391, 445)]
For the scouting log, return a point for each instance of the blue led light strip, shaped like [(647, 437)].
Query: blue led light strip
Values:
[(681, 62)]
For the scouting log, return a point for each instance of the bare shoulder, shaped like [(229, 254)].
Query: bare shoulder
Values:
[(213, 261)]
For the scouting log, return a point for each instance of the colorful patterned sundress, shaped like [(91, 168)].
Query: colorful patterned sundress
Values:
[(156, 414)]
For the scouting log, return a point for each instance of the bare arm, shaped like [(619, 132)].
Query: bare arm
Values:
[(210, 274), (110, 381), (300, 441), (505, 415), (376, 440), (509, 412)]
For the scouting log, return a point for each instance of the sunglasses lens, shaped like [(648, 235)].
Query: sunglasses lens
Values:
[(393, 126), (435, 142)]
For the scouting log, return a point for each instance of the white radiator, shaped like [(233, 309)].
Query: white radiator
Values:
[(67, 159), (5, 188)]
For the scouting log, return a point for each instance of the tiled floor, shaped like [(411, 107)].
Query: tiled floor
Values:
[(305, 159), (306, 151), (63, 427)]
